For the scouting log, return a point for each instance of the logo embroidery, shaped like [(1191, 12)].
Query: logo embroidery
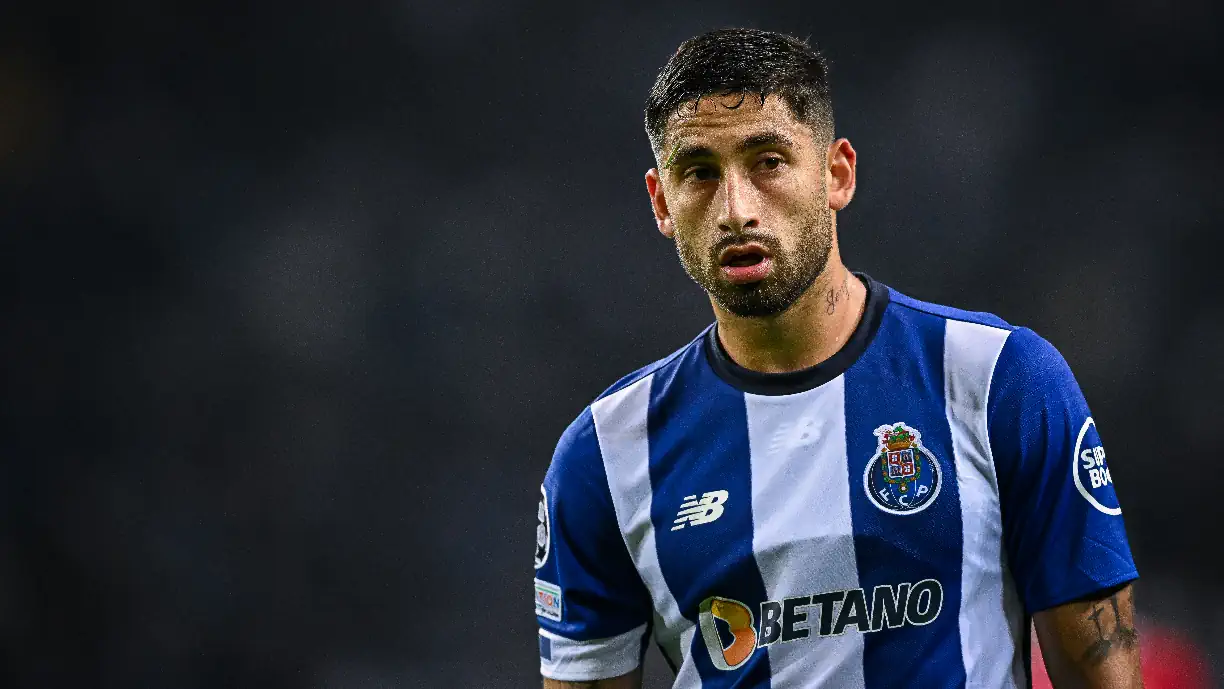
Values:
[(903, 477), (703, 511), (542, 535)]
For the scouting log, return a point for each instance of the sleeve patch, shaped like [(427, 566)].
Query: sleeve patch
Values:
[(547, 600), (1091, 473), (543, 531)]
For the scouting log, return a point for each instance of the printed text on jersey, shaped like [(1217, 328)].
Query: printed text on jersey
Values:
[(732, 633)]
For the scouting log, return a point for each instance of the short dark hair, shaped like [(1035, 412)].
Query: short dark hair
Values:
[(742, 61)]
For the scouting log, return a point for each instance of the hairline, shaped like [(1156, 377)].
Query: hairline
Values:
[(821, 128)]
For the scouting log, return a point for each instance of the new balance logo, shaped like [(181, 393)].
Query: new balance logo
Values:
[(703, 511)]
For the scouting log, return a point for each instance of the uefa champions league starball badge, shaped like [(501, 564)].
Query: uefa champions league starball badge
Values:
[(543, 537), (903, 477)]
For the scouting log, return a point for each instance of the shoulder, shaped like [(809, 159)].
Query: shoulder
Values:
[(578, 448), (1027, 353), (577, 463), (905, 306), (1024, 362), (655, 366), (1030, 369)]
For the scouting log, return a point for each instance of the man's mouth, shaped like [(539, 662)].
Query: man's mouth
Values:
[(743, 255), (745, 263), (745, 260)]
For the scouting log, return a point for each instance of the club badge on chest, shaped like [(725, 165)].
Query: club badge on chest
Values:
[(903, 477)]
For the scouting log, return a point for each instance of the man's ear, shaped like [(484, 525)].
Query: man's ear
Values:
[(654, 187), (841, 174)]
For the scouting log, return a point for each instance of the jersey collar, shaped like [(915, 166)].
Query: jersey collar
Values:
[(806, 379)]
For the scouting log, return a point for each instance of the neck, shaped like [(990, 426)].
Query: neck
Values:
[(813, 329)]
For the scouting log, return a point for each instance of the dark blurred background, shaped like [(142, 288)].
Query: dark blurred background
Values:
[(298, 298)]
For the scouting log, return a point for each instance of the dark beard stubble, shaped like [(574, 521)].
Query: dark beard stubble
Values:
[(793, 273)]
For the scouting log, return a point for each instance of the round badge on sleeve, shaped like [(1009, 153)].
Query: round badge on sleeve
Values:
[(543, 537), (1090, 471), (903, 477)]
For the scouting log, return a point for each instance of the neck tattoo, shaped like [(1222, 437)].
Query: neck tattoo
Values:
[(837, 294)]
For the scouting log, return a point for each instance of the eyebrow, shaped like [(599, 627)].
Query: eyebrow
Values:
[(760, 140)]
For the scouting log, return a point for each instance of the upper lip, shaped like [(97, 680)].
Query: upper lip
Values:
[(751, 248)]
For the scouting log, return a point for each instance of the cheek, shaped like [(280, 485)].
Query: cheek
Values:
[(689, 238), (796, 193), (688, 210), (693, 245), (802, 206), (690, 223)]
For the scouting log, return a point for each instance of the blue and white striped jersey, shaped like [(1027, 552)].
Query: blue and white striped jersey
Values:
[(891, 517)]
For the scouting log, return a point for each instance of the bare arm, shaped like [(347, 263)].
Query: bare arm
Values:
[(633, 680), (1092, 644)]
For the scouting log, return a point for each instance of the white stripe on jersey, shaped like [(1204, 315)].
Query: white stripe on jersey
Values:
[(990, 609), (621, 427), (803, 537)]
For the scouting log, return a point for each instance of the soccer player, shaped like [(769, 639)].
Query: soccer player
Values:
[(834, 484)]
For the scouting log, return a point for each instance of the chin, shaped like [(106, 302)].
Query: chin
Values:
[(756, 300), (750, 303)]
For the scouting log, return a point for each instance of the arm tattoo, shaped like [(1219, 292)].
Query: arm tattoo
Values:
[(1109, 638)]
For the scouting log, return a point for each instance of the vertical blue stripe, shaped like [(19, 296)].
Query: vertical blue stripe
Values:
[(900, 379), (702, 447)]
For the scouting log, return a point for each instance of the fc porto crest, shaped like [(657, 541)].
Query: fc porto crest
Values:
[(903, 477)]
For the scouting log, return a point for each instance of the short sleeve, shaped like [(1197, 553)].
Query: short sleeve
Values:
[(1062, 524), (593, 609)]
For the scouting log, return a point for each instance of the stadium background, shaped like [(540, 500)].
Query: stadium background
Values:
[(298, 299)]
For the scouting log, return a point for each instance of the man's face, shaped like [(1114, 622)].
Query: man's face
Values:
[(743, 192)]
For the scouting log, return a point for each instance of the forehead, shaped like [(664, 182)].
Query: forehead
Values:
[(725, 118)]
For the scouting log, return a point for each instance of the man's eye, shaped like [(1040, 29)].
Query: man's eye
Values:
[(771, 163), (701, 174)]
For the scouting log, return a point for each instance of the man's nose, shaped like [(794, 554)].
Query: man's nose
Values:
[(737, 204)]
